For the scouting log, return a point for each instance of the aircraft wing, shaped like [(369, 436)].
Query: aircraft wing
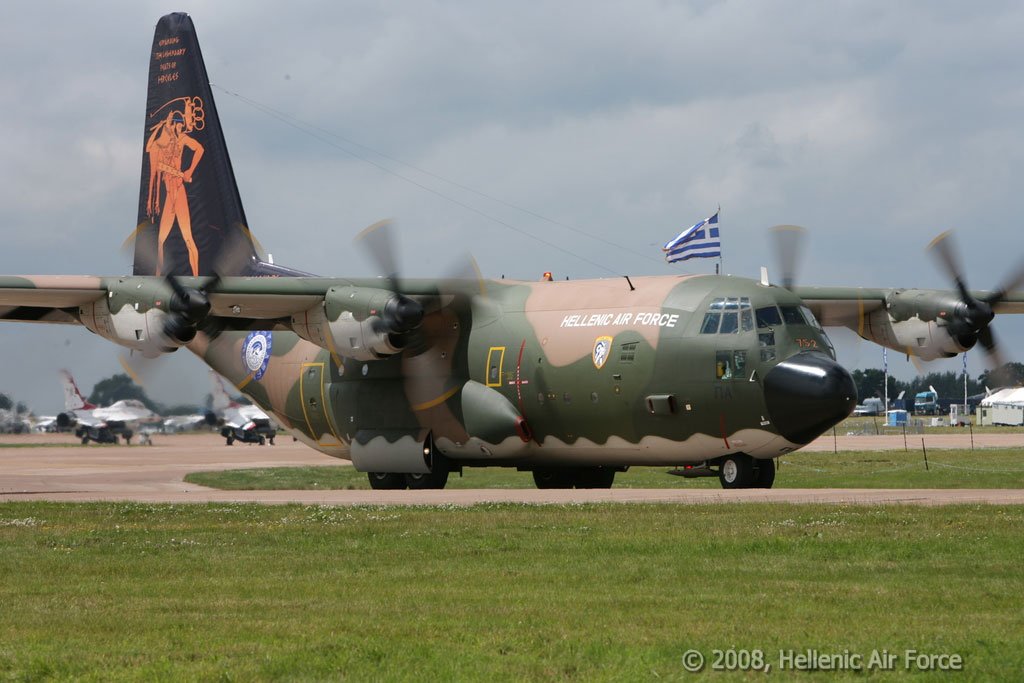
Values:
[(842, 306), (47, 298), (86, 418), (847, 306), (239, 301)]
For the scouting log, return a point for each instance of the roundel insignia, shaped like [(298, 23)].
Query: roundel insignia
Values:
[(256, 353), (602, 349)]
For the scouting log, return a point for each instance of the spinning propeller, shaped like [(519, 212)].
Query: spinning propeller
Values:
[(970, 321)]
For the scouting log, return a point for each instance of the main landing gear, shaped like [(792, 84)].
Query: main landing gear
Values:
[(543, 477), (396, 481), (740, 471)]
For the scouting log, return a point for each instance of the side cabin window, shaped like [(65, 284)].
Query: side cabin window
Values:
[(791, 315), (730, 364), (768, 316)]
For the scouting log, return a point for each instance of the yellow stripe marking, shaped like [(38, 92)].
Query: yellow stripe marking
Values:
[(436, 401)]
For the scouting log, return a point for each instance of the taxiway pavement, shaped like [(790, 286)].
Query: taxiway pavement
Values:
[(63, 470)]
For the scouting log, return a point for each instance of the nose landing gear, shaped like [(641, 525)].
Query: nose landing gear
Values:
[(740, 471)]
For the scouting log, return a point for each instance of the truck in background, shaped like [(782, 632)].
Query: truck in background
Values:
[(927, 402)]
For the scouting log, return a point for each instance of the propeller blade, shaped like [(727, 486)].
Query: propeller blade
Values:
[(788, 241), (1012, 283), (376, 240), (994, 355), (942, 249)]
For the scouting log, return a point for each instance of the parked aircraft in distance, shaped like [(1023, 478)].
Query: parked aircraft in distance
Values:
[(122, 418), (237, 422), (411, 380)]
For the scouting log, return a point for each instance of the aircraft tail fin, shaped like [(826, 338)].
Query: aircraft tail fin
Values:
[(190, 212), (221, 399), (73, 399)]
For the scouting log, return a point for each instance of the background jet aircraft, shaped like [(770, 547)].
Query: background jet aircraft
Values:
[(103, 425), (414, 379), (245, 423)]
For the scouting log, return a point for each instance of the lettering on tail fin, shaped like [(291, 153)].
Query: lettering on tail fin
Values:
[(73, 399), (190, 219)]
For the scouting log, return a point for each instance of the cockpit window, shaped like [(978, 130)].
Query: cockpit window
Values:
[(809, 317), (730, 324), (710, 324), (728, 315), (746, 315), (791, 315), (768, 316)]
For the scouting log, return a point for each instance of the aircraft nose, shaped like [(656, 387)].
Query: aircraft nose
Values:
[(808, 393)]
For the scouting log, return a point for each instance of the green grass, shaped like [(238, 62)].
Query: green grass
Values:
[(988, 468), (497, 592)]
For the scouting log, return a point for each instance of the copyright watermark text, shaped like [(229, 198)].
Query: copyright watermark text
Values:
[(766, 661)]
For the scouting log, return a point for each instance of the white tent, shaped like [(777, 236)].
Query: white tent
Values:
[(1003, 407)]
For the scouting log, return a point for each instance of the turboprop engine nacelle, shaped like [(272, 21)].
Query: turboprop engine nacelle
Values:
[(132, 315), (918, 322), (359, 322)]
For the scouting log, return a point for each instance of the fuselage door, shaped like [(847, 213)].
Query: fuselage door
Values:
[(314, 405)]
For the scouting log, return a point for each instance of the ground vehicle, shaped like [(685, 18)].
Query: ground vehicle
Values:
[(927, 402), (871, 406)]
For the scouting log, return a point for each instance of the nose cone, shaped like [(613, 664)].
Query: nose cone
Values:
[(808, 393)]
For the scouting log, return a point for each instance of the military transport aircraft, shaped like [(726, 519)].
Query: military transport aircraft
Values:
[(103, 425), (237, 422), (414, 379)]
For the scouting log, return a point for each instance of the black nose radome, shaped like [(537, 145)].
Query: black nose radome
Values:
[(808, 393)]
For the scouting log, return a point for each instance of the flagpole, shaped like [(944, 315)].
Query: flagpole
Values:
[(965, 385), (885, 371), (721, 260)]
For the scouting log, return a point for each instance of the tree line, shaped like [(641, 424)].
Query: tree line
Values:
[(871, 383)]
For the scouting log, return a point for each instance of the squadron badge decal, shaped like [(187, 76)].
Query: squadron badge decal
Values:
[(256, 353), (602, 347)]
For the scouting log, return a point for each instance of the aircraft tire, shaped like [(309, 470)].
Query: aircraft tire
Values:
[(271, 441), (594, 478), (433, 480), (386, 481), (262, 441), (85, 439), (765, 475), (552, 478), (229, 440), (736, 471)]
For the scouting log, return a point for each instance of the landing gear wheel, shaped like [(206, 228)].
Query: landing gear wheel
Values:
[(594, 477), (552, 478), (230, 440), (386, 481), (262, 441), (85, 440), (432, 480), (736, 471), (765, 474), (271, 441)]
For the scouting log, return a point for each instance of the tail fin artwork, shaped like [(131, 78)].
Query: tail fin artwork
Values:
[(190, 211), (221, 400), (73, 399)]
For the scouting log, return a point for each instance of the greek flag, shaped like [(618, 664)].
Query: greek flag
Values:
[(699, 241)]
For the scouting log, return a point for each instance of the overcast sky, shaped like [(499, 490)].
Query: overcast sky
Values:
[(876, 125)]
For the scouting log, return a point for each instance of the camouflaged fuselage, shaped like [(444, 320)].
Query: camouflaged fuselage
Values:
[(602, 371)]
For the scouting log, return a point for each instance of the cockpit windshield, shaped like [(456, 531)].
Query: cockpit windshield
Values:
[(728, 315)]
